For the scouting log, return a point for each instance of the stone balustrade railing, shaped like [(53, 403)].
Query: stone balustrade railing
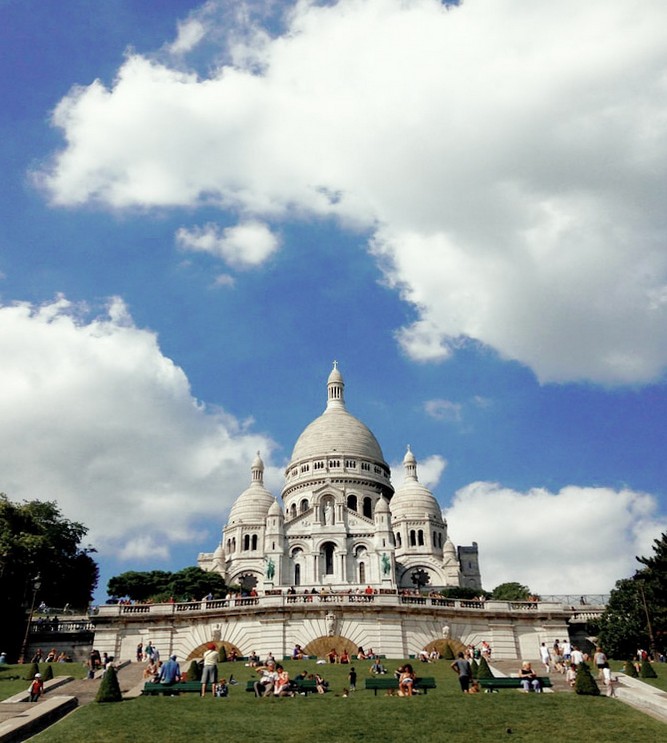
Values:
[(66, 626), (307, 600)]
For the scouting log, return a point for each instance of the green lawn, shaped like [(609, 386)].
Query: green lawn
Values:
[(659, 668), (10, 684), (443, 714)]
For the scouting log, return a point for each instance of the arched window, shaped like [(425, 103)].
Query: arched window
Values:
[(435, 538), (362, 572), (398, 538), (246, 542), (420, 537), (254, 541), (297, 575), (413, 538), (233, 544), (368, 508), (329, 548), (352, 502), (304, 505), (292, 510)]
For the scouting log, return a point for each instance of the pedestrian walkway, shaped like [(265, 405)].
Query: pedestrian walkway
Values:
[(20, 720)]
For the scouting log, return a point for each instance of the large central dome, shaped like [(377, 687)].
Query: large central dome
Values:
[(336, 431)]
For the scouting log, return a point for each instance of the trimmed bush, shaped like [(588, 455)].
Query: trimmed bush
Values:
[(109, 690), (222, 654), (447, 652), (194, 671), (647, 671), (33, 668), (484, 671), (584, 683), (48, 673), (475, 668), (630, 669)]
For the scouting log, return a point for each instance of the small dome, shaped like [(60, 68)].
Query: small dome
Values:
[(412, 500), (275, 509), (382, 506), (252, 506)]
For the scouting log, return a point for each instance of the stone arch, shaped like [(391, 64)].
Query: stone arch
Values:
[(320, 646), (199, 651), (440, 644)]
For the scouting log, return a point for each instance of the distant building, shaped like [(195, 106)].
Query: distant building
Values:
[(341, 524)]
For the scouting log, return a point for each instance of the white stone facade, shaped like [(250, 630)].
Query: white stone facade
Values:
[(341, 526)]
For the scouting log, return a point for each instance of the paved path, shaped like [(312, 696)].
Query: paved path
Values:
[(21, 719)]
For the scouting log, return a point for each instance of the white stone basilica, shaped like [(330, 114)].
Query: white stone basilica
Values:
[(341, 526)]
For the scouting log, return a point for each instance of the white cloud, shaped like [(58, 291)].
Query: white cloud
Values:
[(96, 418), (429, 471), (510, 162), (245, 245), (443, 410), (190, 33), (579, 540)]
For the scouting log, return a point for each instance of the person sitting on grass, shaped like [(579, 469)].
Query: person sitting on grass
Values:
[(264, 685), (320, 684), (377, 668), (332, 656), (344, 657), (529, 680)]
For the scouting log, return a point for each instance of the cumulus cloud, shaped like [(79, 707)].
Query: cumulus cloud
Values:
[(509, 163), (429, 471), (96, 418), (579, 540), (443, 410), (245, 245)]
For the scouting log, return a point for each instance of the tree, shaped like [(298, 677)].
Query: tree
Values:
[(109, 690), (584, 683), (510, 592), (636, 615), (160, 585), (647, 671), (36, 541), (484, 671)]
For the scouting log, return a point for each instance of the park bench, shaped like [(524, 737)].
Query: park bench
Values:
[(182, 687), (383, 684), (513, 682)]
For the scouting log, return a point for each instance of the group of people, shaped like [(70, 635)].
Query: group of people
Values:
[(274, 680), (53, 656)]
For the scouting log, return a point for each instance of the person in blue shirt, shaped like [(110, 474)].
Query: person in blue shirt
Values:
[(170, 672)]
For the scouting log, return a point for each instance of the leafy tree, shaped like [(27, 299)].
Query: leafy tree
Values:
[(510, 592), (36, 541), (584, 683), (636, 615), (160, 585), (109, 690), (462, 592)]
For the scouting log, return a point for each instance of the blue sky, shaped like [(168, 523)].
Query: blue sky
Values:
[(204, 205)]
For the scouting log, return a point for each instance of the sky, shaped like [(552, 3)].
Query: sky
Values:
[(204, 204)]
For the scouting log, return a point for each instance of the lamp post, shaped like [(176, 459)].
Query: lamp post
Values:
[(36, 584)]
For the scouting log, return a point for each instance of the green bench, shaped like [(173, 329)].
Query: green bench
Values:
[(383, 684), (182, 687), (510, 683)]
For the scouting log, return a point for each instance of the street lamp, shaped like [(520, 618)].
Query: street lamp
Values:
[(36, 585)]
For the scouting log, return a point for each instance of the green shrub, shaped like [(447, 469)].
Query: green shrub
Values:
[(33, 668), (194, 671), (109, 690), (475, 668), (448, 653), (484, 671), (222, 654), (630, 669), (647, 671), (584, 682), (48, 673)]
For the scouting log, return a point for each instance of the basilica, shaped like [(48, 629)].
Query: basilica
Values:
[(340, 524)]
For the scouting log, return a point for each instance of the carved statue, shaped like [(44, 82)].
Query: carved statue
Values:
[(386, 564), (445, 632), (331, 624), (270, 568)]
